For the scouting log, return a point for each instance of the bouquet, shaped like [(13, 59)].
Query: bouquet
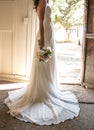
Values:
[(44, 54)]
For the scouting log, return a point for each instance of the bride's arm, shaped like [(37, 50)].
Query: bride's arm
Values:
[(40, 12)]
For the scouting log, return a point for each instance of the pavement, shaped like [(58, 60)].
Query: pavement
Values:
[(69, 62)]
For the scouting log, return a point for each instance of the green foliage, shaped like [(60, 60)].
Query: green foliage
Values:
[(68, 12)]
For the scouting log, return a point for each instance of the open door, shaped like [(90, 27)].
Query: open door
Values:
[(17, 21)]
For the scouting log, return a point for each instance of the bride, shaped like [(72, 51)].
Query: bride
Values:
[(41, 102)]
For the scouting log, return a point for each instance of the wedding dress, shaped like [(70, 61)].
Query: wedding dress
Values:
[(41, 102)]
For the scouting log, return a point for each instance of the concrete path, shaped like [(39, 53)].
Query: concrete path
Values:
[(69, 62)]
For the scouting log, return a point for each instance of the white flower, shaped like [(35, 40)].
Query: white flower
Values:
[(44, 54)]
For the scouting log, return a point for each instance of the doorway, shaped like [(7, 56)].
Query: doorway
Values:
[(69, 22)]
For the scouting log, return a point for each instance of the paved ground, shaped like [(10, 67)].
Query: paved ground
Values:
[(69, 62), (85, 121)]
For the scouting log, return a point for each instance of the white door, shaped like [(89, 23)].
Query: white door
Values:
[(15, 29)]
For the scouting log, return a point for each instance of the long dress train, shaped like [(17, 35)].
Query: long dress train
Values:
[(41, 102)]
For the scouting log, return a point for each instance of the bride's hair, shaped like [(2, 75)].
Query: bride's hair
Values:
[(36, 2)]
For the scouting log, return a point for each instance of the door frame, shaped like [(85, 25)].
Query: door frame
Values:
[(84, 43)]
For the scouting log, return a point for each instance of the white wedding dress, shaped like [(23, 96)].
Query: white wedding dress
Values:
[(41, 102)]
